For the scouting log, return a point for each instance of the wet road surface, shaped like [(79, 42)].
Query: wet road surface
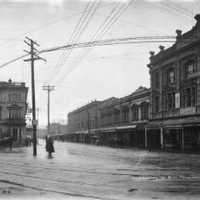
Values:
[(79, 171)]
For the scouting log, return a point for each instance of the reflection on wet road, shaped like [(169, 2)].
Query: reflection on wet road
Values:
[(86, 171)]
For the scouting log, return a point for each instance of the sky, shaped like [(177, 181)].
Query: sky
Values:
[(95, 73)]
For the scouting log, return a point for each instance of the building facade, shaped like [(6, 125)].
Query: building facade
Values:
[(57, 129), (112, 122), (82, 122), (13, 108), (175, 93)]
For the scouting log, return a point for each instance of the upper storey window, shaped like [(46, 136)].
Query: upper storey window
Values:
[(125, 114), (189, 68), (156, 104), (144, 111), (156, 79), (14, 97), (134, 113), (171, 76)]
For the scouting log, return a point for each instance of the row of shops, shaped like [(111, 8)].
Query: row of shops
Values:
[(178, 137), (129, 136)]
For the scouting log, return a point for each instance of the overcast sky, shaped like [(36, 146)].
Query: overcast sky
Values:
[(90, 73)]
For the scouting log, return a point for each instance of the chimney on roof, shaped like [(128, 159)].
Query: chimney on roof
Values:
[(197, 17), (178, 34), (152, 53), (161, 47)]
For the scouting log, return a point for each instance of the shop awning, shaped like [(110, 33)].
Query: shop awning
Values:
[(126, 127), (81, 132), (108, 130)]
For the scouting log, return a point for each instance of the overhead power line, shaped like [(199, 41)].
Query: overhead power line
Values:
[(118, 9), (129, 40), (118, 41), (79, 29), (97, 35)]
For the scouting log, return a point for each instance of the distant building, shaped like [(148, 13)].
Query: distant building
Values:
[(13, 108), (175, 97), (83, 121), (57, 129)]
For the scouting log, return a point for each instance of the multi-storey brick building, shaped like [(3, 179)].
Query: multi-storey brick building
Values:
[(175, 96), (13, 108), (82, 121)]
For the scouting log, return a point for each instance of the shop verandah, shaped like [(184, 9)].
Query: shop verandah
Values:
[(121, 136), (182, 134)]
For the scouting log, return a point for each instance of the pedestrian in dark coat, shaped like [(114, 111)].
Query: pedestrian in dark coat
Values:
[(49, 146), (10, 143)]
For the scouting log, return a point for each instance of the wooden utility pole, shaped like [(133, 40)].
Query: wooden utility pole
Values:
[(33, 56), (48, 88)]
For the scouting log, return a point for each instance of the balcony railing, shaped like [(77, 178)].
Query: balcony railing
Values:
[(13, 121), (12, 84)]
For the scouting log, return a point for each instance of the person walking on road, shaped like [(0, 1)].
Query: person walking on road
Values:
[(49, 146), (10, 142)]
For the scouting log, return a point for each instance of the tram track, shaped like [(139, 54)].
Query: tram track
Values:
[(53, 191), (65, 170), (46, 177), (59, 179)]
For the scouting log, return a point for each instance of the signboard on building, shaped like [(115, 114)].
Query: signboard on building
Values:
[(34, 122), (188, 111), (177, 100)]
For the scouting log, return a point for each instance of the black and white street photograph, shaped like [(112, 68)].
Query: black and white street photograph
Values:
[(99, 99)]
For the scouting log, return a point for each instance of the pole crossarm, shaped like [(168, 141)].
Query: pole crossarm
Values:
[(30, 40), (48, 87)]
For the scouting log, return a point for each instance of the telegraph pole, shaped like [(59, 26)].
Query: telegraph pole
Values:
[(48, 88), (37, 112), (33, 52)]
